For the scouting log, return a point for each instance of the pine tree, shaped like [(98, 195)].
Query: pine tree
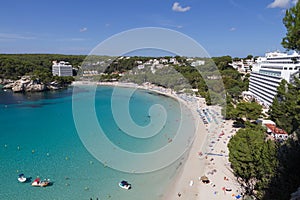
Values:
[(292, 24)]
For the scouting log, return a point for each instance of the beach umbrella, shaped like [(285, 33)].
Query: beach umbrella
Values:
[(204, 178)]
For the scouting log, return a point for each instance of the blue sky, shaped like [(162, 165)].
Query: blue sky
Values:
[(223, 27)]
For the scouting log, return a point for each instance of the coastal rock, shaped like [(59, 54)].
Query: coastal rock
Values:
[(18, 88), (5, 81), (35, 87), (9, 86), (54, 86), (25, 84), (19, 85), (51, 87)]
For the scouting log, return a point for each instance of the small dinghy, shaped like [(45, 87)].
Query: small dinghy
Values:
[(125, 185), (22, 178)]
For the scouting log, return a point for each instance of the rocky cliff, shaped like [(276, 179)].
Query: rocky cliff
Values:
[(25, 84)]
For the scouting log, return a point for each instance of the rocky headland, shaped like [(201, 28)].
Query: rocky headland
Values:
[(26, 84)]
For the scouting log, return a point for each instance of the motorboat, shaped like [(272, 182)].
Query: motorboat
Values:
[(22, 178), (38, 183), (125, 185)]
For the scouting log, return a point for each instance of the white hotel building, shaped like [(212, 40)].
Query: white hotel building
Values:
[(62, 69), (268, 72)]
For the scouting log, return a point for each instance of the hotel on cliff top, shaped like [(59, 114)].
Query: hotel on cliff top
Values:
[(268, 72), (62, 68)]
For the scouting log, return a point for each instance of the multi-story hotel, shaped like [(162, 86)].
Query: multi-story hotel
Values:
[(62, 69), (268, 72)]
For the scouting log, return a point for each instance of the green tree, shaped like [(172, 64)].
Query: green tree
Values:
[(287, 178), (292, 24), (222, 62), (249, 56), (253, 159), (285, 110), (249, 110), (229, 112)]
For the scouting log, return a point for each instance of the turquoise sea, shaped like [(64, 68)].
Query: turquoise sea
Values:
[(38, 137)]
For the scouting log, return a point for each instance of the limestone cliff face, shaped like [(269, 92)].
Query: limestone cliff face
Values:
[(31, 87), (9, 85), (19, 85), (5, 81), (25, 84)]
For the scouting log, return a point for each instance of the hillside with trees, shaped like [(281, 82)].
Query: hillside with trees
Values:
[(269, 170), (206, 78), (12, 66), (214, 79), (37, 66)]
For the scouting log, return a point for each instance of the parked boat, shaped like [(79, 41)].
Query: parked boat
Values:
[(38, 183), (22, 178), (125, 185)]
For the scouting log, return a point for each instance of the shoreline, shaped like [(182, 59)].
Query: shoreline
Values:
[(210, 141), (214, 165)]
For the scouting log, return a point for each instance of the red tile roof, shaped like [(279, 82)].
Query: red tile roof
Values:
[(275, 129)]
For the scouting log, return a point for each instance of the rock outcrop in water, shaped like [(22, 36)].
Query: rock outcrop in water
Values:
[(5, 81), (25, 84)]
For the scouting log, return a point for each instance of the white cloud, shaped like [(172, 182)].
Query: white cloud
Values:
[(83, 29), (71, 39), (282, 3), (178, 8), (232, 29), (172, 25), (13, 36)]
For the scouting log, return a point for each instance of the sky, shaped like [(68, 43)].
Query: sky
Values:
[(224, 27)]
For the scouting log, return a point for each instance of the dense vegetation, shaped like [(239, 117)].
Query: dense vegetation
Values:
[(176, 76), (242, 110), (292, 23), (253, 159), (13, 66), (215, 79), (268, 170), (285, 111)]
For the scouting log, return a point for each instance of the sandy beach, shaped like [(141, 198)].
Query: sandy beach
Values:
[(208, 155)]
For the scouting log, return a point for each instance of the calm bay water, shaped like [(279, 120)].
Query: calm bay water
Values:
[(38, 137)]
